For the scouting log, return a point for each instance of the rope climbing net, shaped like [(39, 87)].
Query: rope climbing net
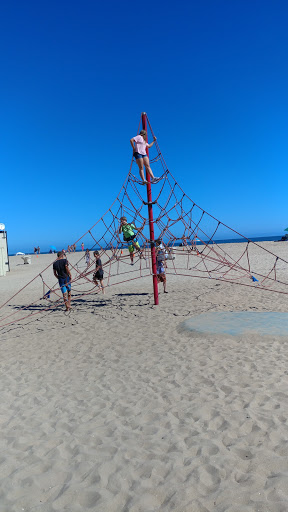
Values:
[(189, 236)]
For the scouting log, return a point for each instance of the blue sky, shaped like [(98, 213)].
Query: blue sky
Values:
[(75, 77)]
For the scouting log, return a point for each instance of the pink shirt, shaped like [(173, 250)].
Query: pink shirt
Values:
[(140, 144)]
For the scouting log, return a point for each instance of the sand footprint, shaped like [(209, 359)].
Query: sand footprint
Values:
[(208, 478), (245, 479), (208, 450), (282, 448), (88, 499)]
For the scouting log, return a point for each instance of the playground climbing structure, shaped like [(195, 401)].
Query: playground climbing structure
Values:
[(188, 232)]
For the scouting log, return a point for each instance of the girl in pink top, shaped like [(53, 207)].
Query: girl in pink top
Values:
[(139, 145)]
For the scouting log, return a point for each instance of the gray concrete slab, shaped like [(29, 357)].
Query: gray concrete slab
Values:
[(238, 322)]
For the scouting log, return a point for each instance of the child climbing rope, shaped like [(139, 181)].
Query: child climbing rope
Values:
[(139, 145), (129, 235)]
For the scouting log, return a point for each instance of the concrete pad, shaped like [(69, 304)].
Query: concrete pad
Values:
[(239, 322)]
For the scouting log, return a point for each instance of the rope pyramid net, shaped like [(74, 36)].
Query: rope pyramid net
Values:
[(177, 220)]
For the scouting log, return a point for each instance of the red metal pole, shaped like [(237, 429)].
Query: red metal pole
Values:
[(151, 223)]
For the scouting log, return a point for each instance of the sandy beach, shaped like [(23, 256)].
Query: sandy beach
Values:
[(117, 408)]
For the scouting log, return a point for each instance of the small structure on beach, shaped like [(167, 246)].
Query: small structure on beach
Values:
[(4, 258)]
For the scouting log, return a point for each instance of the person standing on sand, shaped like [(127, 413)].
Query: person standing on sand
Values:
[(194, 244), (139, 145), (168, 253), (160, 265), (98, 274), (82, 246), (62, 273), (184, 243), (87, 257)]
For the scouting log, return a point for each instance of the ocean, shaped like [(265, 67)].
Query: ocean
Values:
[(273, 238)]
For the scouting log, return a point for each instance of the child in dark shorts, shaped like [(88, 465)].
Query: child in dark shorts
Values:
[(161, 276), (160, 264), (63, 274), (98, 274)]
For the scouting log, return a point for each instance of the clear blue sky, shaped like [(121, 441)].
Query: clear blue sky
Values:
[(75, 77)]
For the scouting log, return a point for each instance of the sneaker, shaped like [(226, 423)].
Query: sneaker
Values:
[(155, 180), (144, 182)]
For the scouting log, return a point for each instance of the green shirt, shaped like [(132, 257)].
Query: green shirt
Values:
[(127, 230)]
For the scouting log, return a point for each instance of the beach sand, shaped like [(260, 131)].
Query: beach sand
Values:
[(117, 408)]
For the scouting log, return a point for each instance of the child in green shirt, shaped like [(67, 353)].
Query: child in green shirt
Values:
[(129, 235)]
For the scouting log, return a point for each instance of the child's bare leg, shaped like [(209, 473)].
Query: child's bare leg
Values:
[(97, 284), (147, 166), (66, 301), (102, 286), (136, 247), (139, 162), (164, 286)]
